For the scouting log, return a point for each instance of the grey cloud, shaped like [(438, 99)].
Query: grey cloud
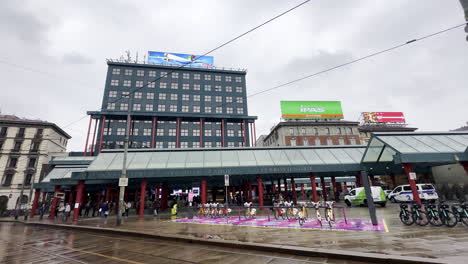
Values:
[(76, 58)]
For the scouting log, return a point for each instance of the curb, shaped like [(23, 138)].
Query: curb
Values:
[(291, 250)]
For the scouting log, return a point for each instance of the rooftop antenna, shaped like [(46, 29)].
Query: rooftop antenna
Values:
[(136, 59), (144, 59), (129, 57)]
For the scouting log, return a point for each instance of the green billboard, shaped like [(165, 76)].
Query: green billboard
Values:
[(311, 110)]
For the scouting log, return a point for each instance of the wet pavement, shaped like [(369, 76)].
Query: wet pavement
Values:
[(428, 242), (32, 244)]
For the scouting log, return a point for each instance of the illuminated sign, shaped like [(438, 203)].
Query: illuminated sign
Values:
[(311, 110), (179, 59), (384, 117)]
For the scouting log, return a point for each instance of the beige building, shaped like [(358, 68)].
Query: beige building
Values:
[(26, 146)]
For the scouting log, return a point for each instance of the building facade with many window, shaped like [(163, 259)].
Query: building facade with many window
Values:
[(171, 107), (26, 147), (312, 133)]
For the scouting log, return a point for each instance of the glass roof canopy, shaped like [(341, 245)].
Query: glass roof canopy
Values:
[(410, 147), (152, 163)]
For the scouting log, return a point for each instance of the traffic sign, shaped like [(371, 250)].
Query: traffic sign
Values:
[(226, 180), (123, 182), (412, 176)]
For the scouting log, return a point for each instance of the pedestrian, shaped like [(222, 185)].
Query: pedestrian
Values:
[(61, 211), (67, 211), (127, 208), (156, 206), (87, 208), (42, 210)]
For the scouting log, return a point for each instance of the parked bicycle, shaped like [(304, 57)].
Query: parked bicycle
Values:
[(317, 212), (447, 217), (420, 217), (405, 215), (223, 211), (249, 211), (302, 214), (279, 210), (461, 212), (329, 212), (204, 210), (433, 215)]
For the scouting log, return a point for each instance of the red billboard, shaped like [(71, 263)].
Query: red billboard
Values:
[(384, 117)]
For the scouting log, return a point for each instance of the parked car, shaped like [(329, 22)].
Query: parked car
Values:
[(357, 196), (403, 193)]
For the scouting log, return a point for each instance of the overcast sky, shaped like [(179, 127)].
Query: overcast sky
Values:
[(56, 53)]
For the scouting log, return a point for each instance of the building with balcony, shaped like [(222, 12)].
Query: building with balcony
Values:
[(171, 107), (26, 147)]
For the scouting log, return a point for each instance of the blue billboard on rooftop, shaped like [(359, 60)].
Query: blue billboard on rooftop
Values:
[(179, 59)]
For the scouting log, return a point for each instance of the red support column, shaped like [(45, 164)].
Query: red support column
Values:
[(260, 191), (392, 177), (408, 167), (293, 189), (164, 196), (103, 123), (153, 133), (273, 189), (54, 202), (79, 198), (324, 189), (333, 188), (244, 133), (37, 193), (178, 133), (255, 134), (279, 186), (285, 182), (108, 192), (87, 136), (314, 187), (201, 132), (302, 192), (142, 198), (251, 134), (70, 198), (249, 188), (222, 133), (94, 137), (203, 191)]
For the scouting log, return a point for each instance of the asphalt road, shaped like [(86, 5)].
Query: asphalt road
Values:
[(29, 244)]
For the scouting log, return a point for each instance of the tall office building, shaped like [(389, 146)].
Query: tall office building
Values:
[(172, 107)]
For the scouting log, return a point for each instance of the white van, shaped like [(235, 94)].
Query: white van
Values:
[(357, 196), (402, 193)]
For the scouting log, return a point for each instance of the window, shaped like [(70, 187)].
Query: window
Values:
[(150, 96), (186, 76), (174, 86), (229, 99), (218, 88), (174, 97), (196, 76), (219, 110), (185, 108), (159, 145), (317, 142), (139, 84), (316, 131), (218, 144), (196, 98), (327, 130), (146, 144), (162, 96), (127, 83), (138, 95), (163, 74), (185, 97), (107, 131), (218, 78), (228, 78), (151, 84), (110, 106), (115, 71), (183, 144), (230, 133), (149, 107), (240, 110), (185, 86), (218, 99), (303, 131), (112, 93), (293, 142), (136, 107), (350, 130), (231, 144), (207, 87), (291, 131), (128, 72), (152, 73), (239, 89), (207, 98), (207, 77), (207, 109), (135, 132), (196, 87), (352, 141), (32, 163), (238, 79), (229, 89), (147, 132), (140, 73), (305, 142), (3, 132), (7, 179), (120, 131), (172, 132), (114, 82), (218, 132), (13, 162), (28, 179), (208, 133), (161, 108), (175, 75), (195, 144), (329, 141), (208, 145), (341, 141), (125, 94), (239, 133), (196, 109), (171, 145), (160, 132), (173, 108), (338, 131), (184, 132), (229, 110), (163, 85), (196, 132)]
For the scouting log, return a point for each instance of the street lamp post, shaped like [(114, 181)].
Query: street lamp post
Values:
[(122, 181)]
